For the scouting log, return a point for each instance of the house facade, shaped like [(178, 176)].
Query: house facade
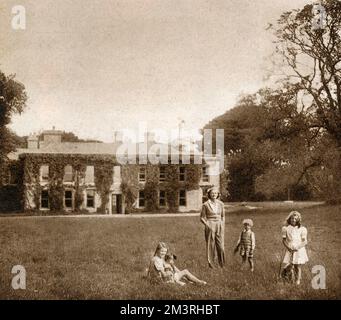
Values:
[(88, 177)]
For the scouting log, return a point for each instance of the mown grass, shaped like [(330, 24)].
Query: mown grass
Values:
[(106, 258)]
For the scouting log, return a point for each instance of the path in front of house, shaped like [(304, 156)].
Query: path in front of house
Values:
[(104, 216), (233, 207)]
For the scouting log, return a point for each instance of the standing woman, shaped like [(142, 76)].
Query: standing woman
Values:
[(213, 217)]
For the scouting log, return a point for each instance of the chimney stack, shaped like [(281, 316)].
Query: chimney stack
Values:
[(33, 142), (118, 136), (149, 137), (51, 137)]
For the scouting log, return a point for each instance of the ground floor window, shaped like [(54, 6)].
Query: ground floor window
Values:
[(90, 198), (162, 198), (68, 199), (205, 176), (141, 199), (182, 198), (44, 199)]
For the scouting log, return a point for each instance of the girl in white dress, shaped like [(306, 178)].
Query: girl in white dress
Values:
[(295, 239)]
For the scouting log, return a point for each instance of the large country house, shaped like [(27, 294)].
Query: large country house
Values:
[(52, 175)]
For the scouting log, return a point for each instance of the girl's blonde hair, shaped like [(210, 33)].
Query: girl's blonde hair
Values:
[(294, 213), (160, 246), (248, 221)]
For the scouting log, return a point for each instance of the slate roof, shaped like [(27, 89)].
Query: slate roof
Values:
[(90, 148)]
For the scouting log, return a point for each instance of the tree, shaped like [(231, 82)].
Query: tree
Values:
[(71, 137), (283, 139), (239, 124), (311, 54), (245, 160), (294, 148), (12, 100), (306, 109)]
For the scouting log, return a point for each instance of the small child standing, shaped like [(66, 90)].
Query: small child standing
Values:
[(246, 243), (294, 240)]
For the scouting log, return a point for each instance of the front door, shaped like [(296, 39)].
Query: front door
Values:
[(119, 203), (116, 203)]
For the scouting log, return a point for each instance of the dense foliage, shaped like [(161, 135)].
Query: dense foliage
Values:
[(32, 163), (285, 141), (12, 100)]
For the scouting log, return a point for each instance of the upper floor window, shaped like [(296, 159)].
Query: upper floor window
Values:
[(182, 174), (142, 174), (205, 176), (44, 173), (68, 174), (117, 174), (162, 176), (90, 174), (11, 176)]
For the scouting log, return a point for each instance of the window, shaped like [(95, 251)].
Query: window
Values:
[(182, 174), (8, 177), (141, 199), (117, 174), (182, 198), (68, 174), (90, 198), (44, 173), (162, 198), (68, 199), (142, 174), (44, 199), (162, 176), (11, 176), (205, 176), (90, 174)]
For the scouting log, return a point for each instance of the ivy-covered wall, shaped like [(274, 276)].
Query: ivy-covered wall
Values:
[(10, 199), (27, 193), (11, 194), (129, 186), (152, 185), (103, 176)]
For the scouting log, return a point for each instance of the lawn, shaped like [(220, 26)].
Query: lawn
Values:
[(106, 258)]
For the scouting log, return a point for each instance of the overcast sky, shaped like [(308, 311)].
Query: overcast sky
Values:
[(93, 67)]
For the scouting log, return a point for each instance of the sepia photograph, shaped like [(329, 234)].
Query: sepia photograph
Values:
[(170, 150)]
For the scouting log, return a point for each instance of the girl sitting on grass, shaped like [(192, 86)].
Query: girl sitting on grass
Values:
[(246, 243), (294, 240), (162, 268)]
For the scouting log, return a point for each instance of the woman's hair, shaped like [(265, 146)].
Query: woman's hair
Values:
[(160, 246), (294, 213), (210, 190)]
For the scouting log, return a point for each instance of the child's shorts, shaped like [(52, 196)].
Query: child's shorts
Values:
[(246, 252)]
